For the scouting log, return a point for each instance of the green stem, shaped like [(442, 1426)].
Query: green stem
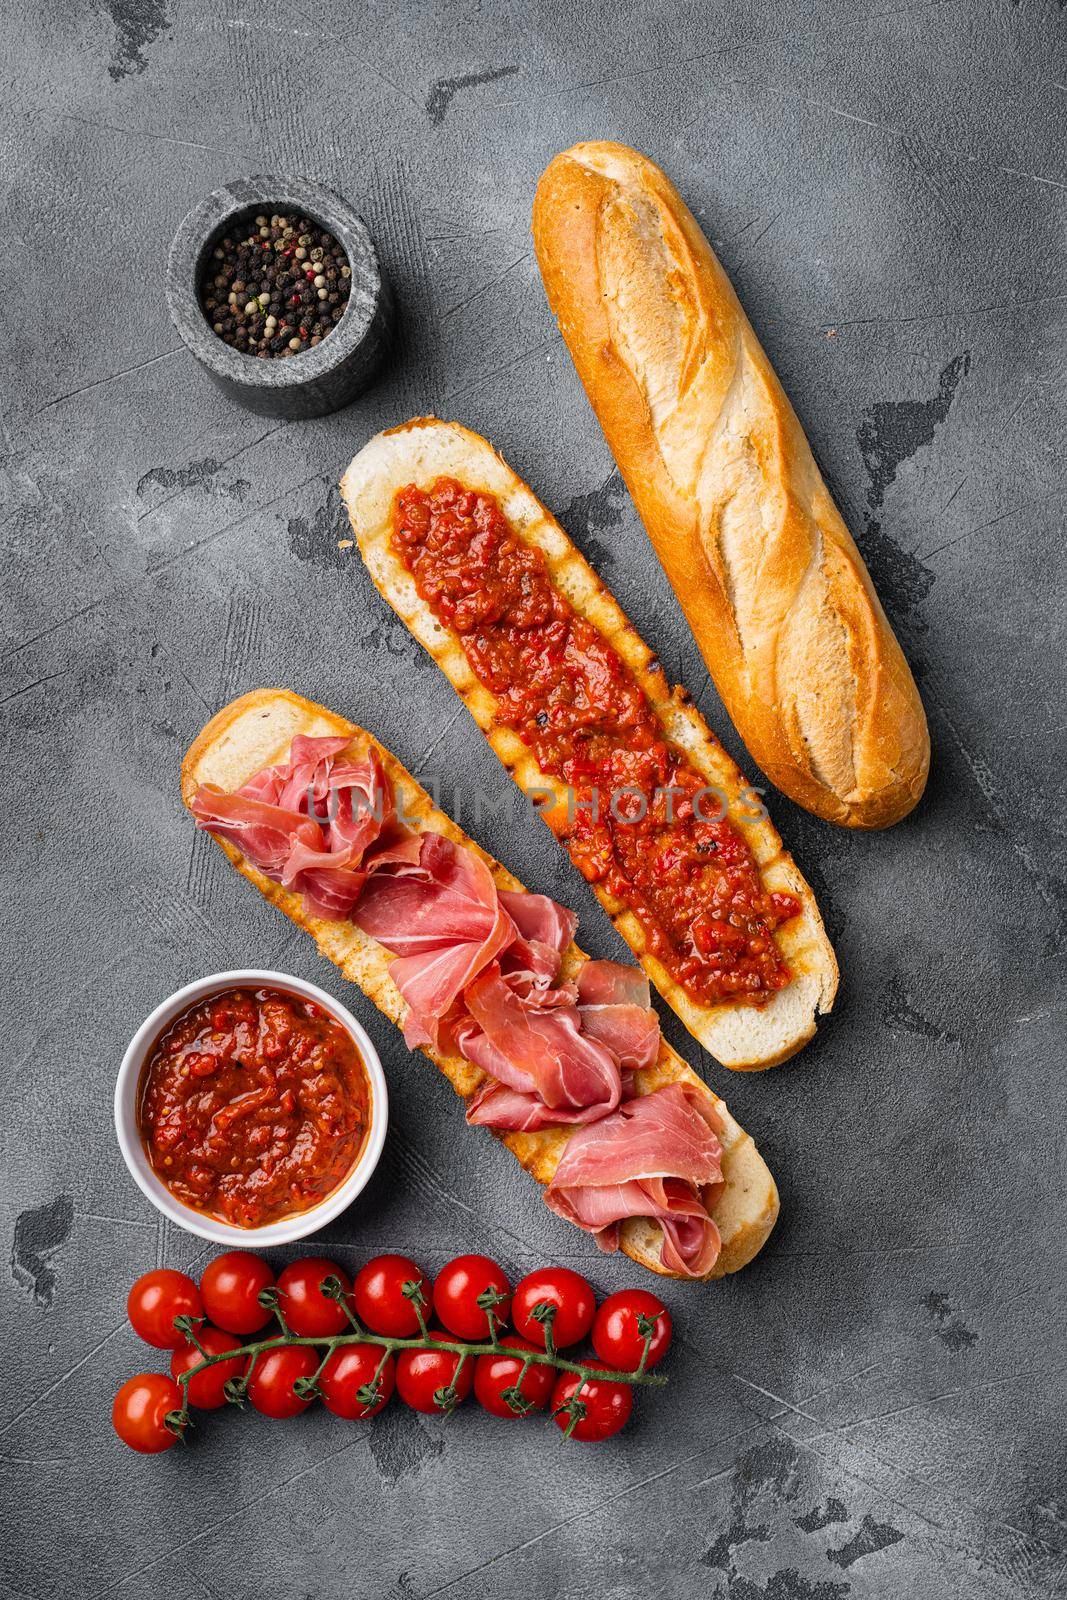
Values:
[(187, 1327), (356, 1325), (330, 1348), (643, 1363), (646, 1326), (389, 1346), (183, 1385)]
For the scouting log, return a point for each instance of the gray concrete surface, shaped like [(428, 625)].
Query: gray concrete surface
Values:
[(874, 1409)]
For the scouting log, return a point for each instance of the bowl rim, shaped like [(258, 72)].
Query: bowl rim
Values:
[(287, 1229), (195, 235)]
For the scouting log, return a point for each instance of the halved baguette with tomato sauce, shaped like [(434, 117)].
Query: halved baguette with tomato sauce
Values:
[(740, 1034), (256, 731)]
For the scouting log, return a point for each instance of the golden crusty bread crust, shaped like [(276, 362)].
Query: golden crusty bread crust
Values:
[(256, 731), (769, 577), (742, 1036)]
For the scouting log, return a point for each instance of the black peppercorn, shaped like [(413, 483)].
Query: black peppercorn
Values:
[(276, 286)]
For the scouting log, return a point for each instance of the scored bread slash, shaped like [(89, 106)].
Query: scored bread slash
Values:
[(257, 731), (737, 1032)]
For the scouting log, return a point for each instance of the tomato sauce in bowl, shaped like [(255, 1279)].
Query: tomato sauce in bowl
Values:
[(253, 1105)]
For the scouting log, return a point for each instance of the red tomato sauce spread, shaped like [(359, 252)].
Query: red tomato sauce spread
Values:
[(645, 826), (253, 1105)]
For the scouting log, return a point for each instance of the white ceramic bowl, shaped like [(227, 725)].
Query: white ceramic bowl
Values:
[(301, 1223)]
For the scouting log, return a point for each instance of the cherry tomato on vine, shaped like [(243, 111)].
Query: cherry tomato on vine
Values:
[(154, 1302), (422, 1374), (310, 1313), (229, 1288), (378, 1296), (572, 1297), (140, 1410), (206, 1390), (351, 1369), (270, 1387), (495, 1374), (607, 1406), (455, 1296), (617, 1337)]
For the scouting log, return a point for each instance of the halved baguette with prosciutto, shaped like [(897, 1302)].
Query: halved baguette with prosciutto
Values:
[(769, 577), (739, 1033), (255, 733)]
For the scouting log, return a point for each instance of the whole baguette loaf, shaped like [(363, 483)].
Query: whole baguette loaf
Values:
[(740, 1035), (769, 577), (256, 731)]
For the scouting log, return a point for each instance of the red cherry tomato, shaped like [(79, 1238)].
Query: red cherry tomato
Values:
[(140, 1410), (617, 1337), (310, 1313), (495, 1374), (229, 1288), (572, 1297), (607, 1406), (455, 1296), (422, 1374), (349, 1370), (206, 1390), (378, 1296), (270, 1387), (154, 1302)]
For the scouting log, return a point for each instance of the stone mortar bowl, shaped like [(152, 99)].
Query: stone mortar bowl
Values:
[(314, 381)]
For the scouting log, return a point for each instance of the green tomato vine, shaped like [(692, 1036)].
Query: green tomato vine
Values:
[(445, 1398)]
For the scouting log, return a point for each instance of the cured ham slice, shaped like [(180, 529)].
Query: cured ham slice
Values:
[(546, 1069), (442, 918), (264, 833), (545, 929), (539, 918), (659, 1157), (564, 1054), (307, 822), (616, 1008)]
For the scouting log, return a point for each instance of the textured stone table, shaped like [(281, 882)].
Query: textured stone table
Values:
[(875, 1407)]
